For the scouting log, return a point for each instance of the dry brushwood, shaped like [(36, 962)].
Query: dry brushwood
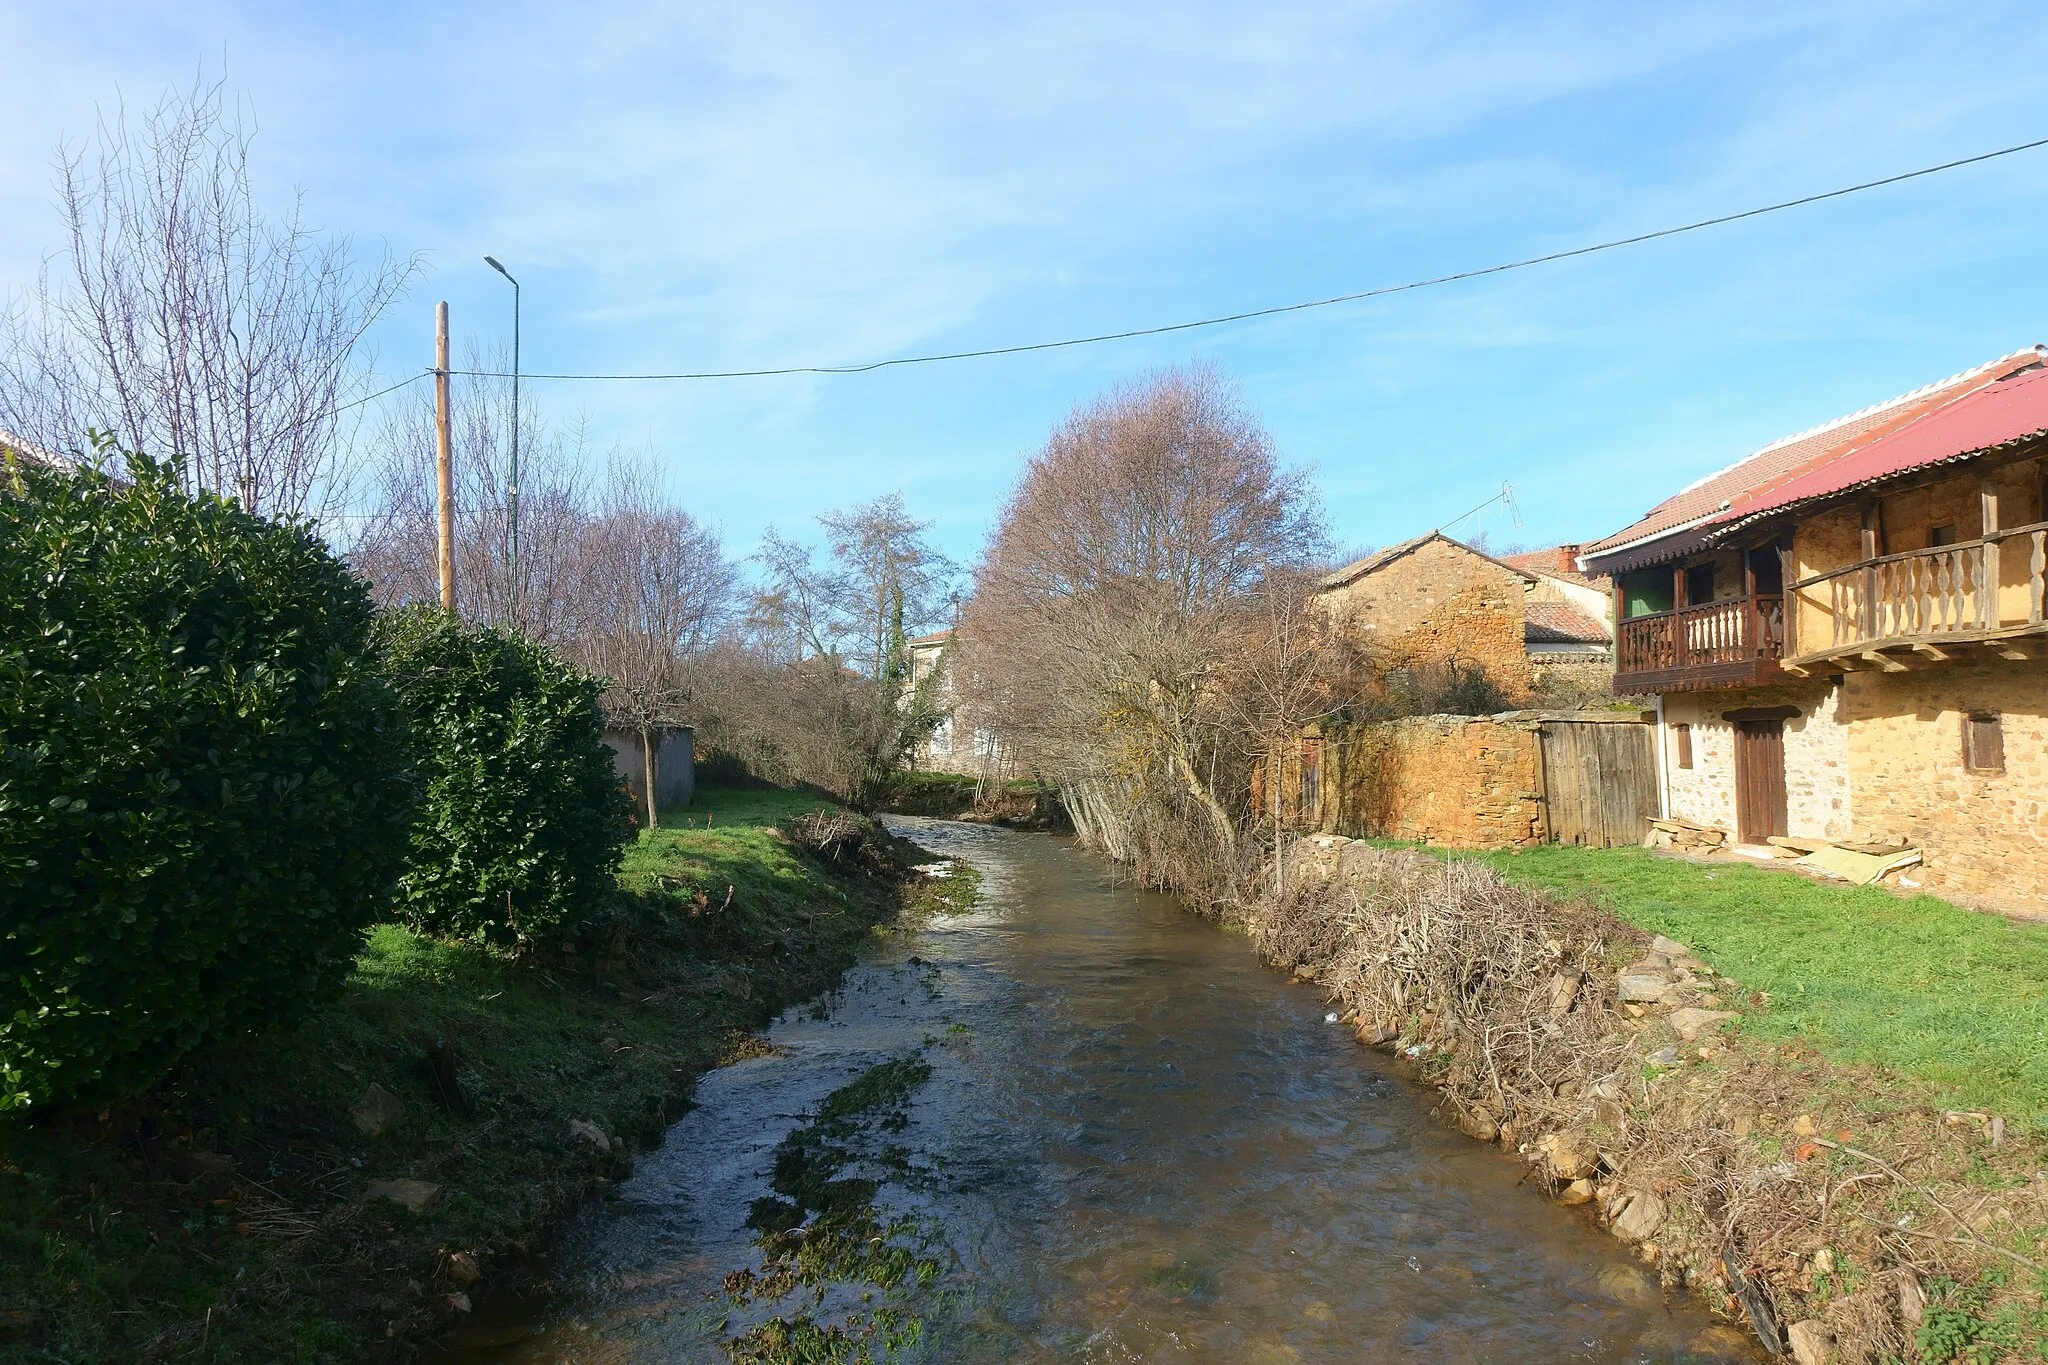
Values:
[(1508, 999)]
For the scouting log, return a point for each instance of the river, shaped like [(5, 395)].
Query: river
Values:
[(1134, 1143)]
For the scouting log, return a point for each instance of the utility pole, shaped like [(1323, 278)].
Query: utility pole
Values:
[(512, 483), (444, 458)]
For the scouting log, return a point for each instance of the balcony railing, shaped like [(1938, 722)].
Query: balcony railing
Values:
[(1951, 593), (1728, 643)]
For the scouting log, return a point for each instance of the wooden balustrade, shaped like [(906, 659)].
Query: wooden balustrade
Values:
[(1729, 642), (1946, 593)]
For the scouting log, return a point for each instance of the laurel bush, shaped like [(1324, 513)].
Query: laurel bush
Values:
[(204, 786), (522, 818)]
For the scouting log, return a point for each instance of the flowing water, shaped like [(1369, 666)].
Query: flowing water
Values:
[(1135, 1143)]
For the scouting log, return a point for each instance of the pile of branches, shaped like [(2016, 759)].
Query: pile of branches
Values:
[(829, 834), (1820, 1209)]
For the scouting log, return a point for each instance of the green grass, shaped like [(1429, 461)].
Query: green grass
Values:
[(113, 1239), (1918, 985)]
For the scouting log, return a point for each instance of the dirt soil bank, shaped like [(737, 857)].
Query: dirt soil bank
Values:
[(951, 796), (345, 1189), (1837, 1213)]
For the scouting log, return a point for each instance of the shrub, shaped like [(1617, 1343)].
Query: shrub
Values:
[(203, 790), (521, 815)]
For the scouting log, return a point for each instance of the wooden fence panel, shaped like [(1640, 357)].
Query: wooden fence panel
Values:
[(1599, 781)]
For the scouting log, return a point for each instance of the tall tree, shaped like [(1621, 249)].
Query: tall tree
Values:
[(394, 546), (890, 576), (661, 590), (1127, 573), (186, 319)]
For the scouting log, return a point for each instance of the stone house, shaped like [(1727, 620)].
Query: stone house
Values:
[(1845, 633), (1535, 623), (956, 744)]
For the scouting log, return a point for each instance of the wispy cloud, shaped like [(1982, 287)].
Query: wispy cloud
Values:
[(718, 186)]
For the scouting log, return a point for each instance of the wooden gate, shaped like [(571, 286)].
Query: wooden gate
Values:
[(1599, 780), (1759, 780)]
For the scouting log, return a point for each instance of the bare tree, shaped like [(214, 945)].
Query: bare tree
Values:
[(395, 545), (660, 590), (820, 688), (1125, 577), (184, 320), (892, 580)]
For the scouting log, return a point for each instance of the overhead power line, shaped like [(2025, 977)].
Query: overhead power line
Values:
[(1380, 292)]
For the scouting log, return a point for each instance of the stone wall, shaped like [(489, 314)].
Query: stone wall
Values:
[(1438, 603), (1463, 781), (1571, 679), (1984, 835), (1818, 783)]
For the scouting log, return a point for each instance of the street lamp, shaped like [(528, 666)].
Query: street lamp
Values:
[(512, 483)]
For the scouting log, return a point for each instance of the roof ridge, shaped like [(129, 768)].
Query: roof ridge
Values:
[(1897, 400)]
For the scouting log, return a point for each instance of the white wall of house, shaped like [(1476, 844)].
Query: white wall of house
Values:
[(1818, 796), (1595, 602)]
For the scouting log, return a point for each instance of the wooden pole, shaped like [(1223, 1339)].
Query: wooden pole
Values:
[(444, 458), (1987, 564)]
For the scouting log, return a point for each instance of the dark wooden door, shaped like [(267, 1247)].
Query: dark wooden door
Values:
[(1599, 781), (1759, 780)]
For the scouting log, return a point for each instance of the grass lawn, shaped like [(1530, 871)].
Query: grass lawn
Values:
[(1921, 986), (222, 1218)]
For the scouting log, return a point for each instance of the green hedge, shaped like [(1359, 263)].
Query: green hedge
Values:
[(522, 818), (203, 790)]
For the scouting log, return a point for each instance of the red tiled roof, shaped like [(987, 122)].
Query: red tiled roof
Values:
[(936, 637), (1561, 623), (2010, 409), (1559, 561), (1799, 455)]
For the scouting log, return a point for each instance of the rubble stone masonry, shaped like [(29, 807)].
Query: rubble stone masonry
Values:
[(1819, 787), (1982, 833), (1439, 602), (1462, 781)]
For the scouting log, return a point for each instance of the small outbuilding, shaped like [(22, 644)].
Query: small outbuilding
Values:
[(675, 766)]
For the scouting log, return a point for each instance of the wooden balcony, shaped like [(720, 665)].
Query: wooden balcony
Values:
[(1982, 598), (1731, 643)]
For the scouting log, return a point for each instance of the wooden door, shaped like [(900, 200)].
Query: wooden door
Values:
[(1759, 780), (1599, 781)]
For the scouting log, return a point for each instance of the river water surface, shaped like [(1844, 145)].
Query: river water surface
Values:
[(1136, 1143)]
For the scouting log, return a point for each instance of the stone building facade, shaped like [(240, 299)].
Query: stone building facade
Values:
[(1435, 600), (1983, 830), (1852, 623), (1697, 752)]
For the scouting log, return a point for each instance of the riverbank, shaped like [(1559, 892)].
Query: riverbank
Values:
[(1017, 804), (1842, 1209), (343, 1190)]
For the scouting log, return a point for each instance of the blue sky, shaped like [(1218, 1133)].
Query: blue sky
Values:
[(719, 186)]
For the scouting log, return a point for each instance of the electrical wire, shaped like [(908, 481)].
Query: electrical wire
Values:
[(1278, 309)]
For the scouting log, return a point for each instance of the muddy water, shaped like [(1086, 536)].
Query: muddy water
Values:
[(1136, 1144)]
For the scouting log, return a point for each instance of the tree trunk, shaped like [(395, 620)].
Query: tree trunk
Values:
[(648, 750)]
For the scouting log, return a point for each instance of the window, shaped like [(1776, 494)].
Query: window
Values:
[(1681, 745), (1699, 585), (1984, 742), (1938, 536)]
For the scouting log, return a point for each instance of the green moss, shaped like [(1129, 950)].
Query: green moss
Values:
[(115, 1234), (823, 1229), (1914, 984)]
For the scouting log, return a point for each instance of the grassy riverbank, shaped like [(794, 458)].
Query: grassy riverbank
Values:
[(1917, 985), (1770, 1110), (231, 1215)]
